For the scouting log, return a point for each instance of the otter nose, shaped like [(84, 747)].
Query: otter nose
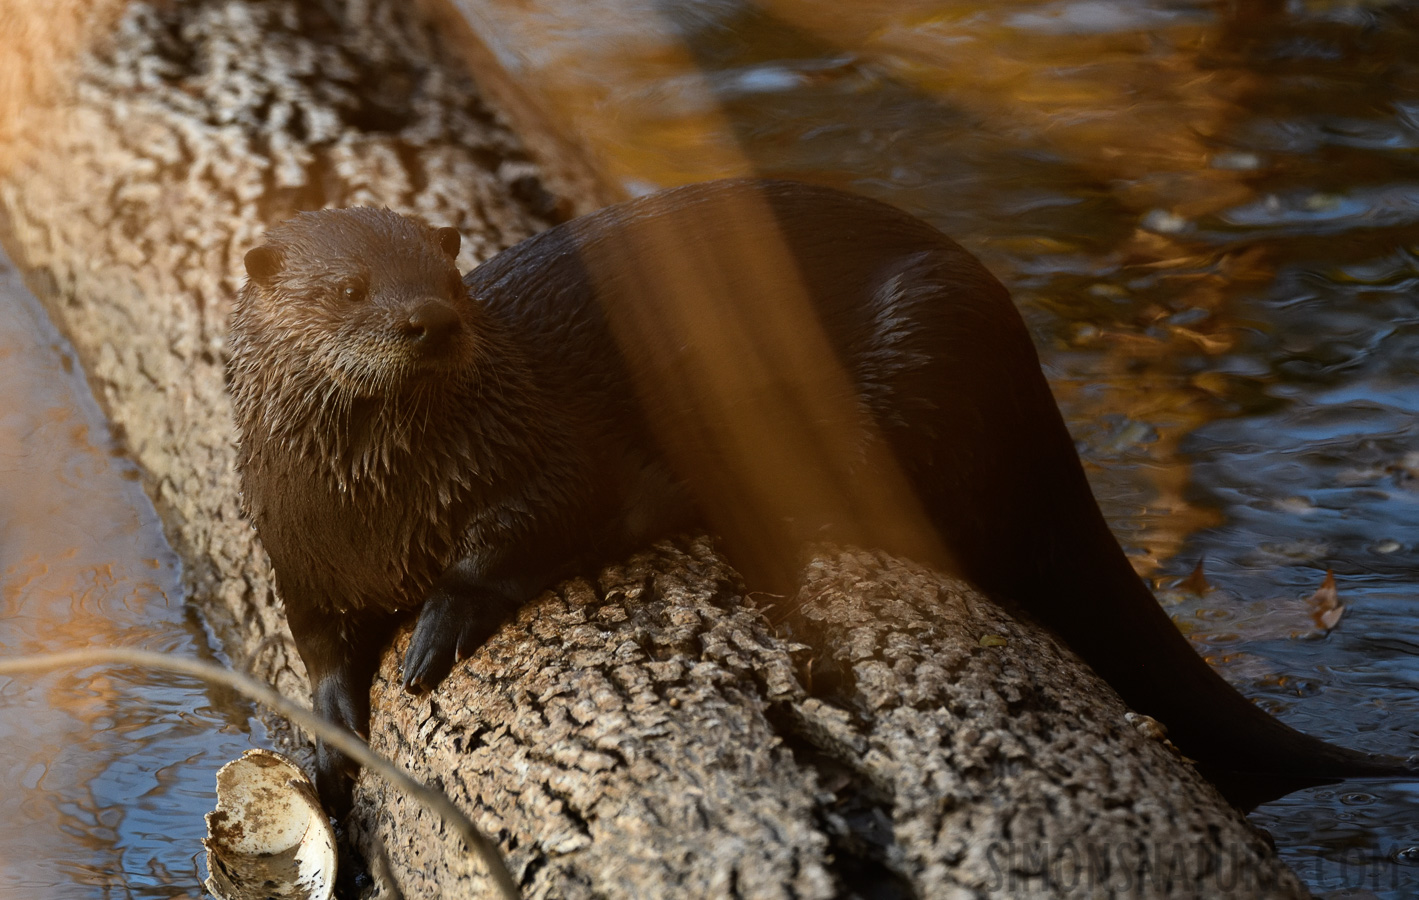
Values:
[(431, 324)]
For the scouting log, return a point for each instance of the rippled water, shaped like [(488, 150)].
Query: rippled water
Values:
[(1209, 214), (106, 772)]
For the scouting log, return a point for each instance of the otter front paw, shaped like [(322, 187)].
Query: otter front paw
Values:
[(450, 628)]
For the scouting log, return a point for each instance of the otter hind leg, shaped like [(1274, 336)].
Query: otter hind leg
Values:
[(340, 660)]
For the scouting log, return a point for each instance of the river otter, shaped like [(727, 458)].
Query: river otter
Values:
[(411, 439)]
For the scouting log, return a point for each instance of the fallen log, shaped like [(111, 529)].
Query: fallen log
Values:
[(641, 731)]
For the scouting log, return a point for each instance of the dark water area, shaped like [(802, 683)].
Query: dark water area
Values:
[(105, 774), (1209, 215)]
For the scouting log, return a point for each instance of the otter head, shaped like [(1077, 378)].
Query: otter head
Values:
[(351, 321), (365, 298)]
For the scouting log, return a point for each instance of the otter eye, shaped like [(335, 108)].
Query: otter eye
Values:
[(352, 290)]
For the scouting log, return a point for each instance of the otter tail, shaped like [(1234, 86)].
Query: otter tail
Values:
[(1115, 623), (1048, 549)]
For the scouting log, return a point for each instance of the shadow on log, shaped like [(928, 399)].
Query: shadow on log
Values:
[(641, 732)]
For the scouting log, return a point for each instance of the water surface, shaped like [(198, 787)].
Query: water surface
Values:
[(1209, 214), (106, 773)]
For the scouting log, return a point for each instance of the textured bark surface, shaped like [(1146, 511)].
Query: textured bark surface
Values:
[(642, 734), (648, 734)]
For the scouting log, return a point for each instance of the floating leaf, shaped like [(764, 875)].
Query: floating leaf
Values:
[(1197, 581), (1326, 608)]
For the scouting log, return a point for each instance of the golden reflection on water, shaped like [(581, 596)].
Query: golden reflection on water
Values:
[(1152, 180), (1128, 100), (82, 563)]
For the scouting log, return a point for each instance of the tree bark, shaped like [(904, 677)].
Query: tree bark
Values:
[(638, 732)]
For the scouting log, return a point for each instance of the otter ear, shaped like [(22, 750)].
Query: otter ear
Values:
[(262, 263), (450, 240)]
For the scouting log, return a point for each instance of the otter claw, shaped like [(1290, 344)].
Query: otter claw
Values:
[(449, 629)]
